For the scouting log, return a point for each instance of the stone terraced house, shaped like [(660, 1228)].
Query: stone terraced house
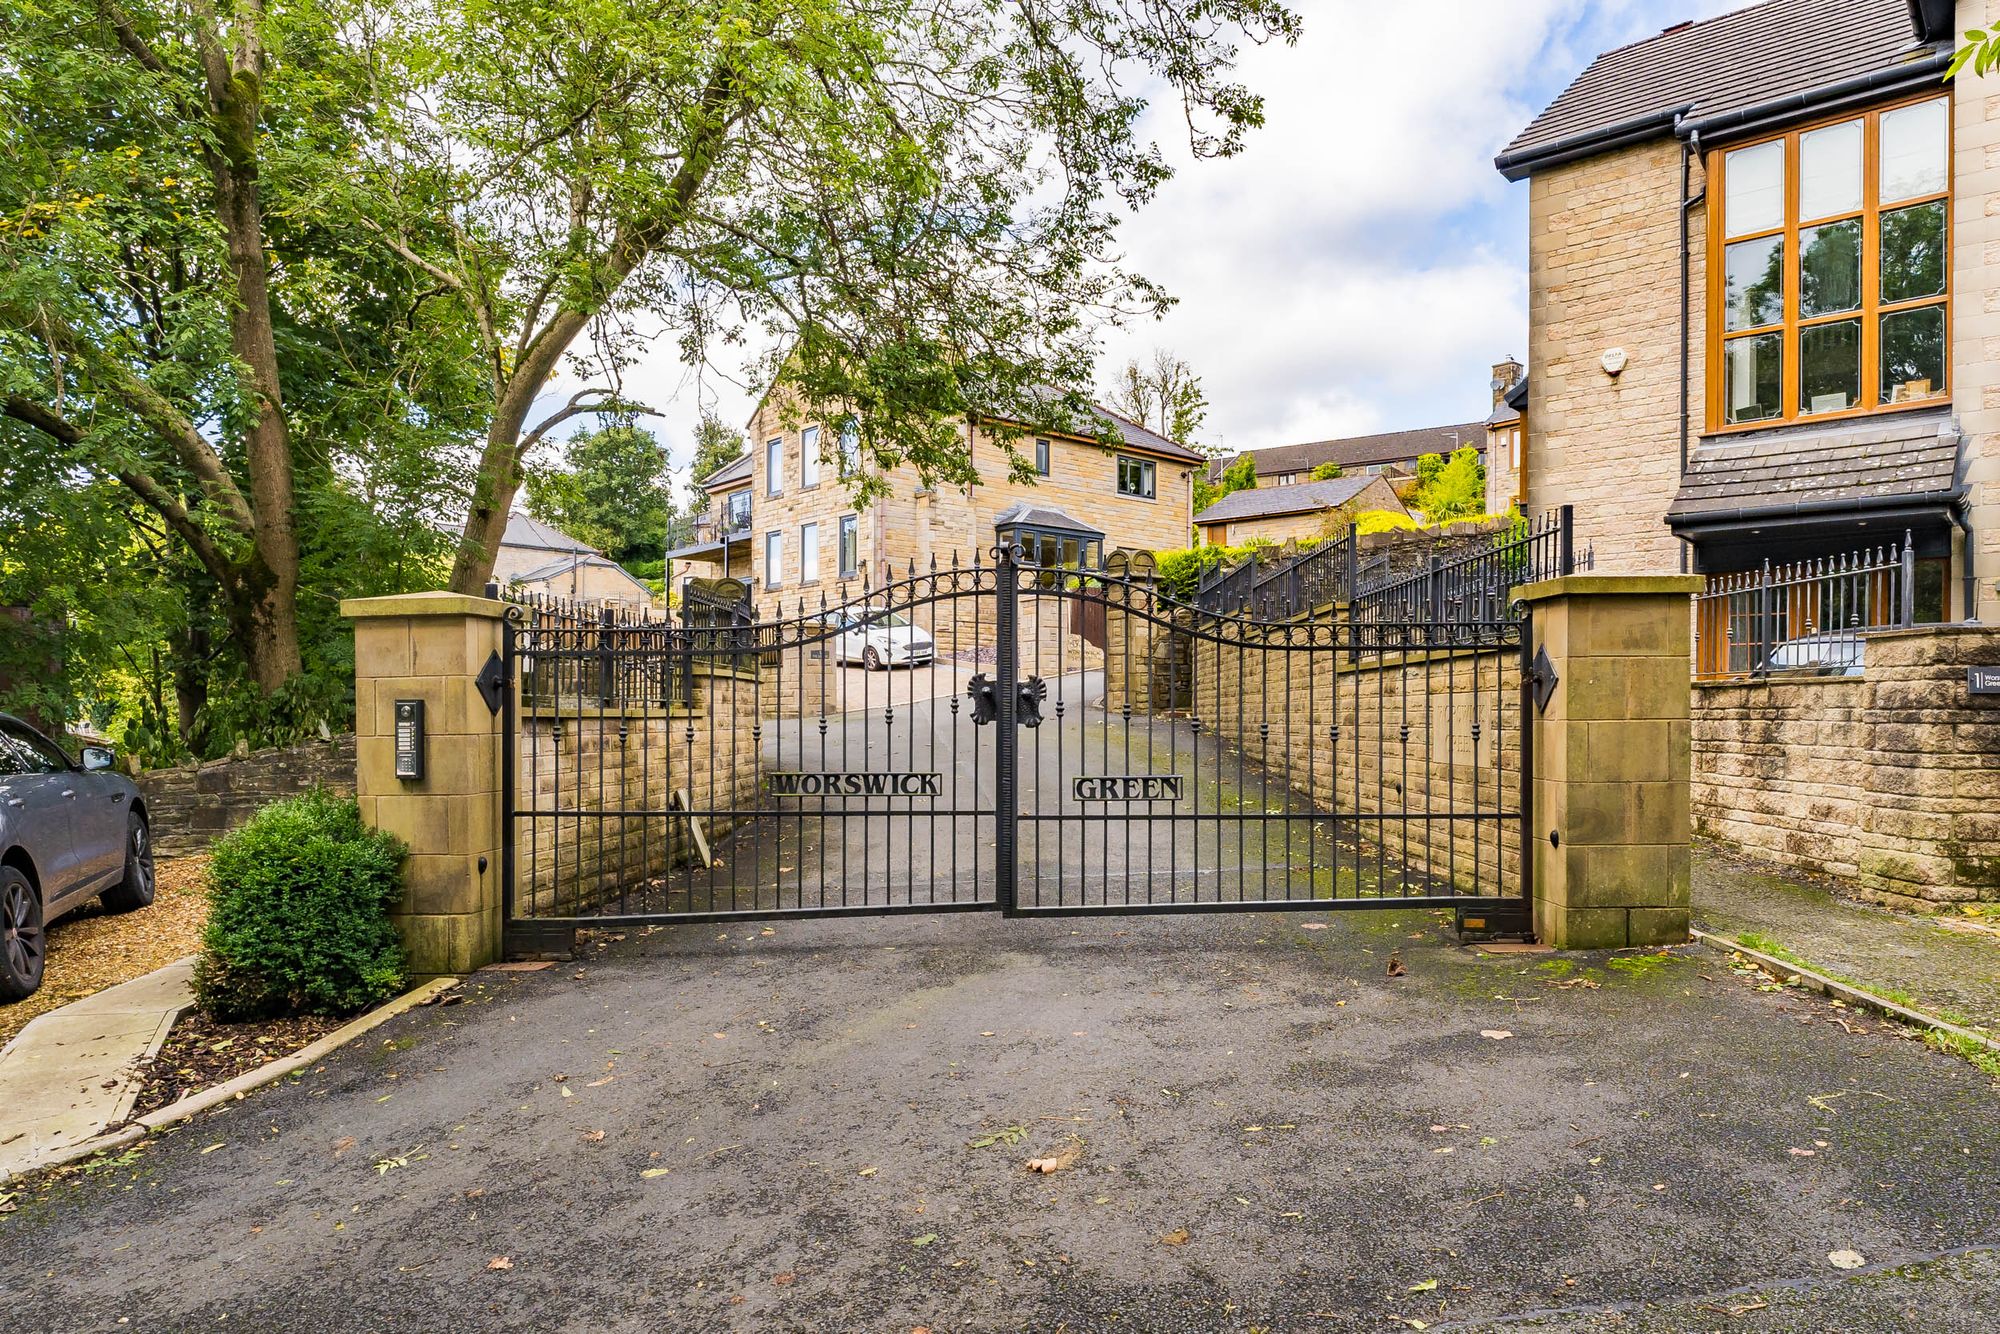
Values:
[(783, 519), (1764, 297)]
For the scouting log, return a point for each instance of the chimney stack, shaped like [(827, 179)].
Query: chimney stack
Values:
[(1506, 374)]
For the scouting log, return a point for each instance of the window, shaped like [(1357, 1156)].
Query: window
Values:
[(850, 546), (774, 559), (1135, 477), (774, 466), (739, 510), (33, 754), (850, 449), (809, 456), (1829, 287), (809, 554), (1042, 457)]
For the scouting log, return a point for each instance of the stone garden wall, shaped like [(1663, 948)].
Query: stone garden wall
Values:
[(1889, 780), (192, 805)]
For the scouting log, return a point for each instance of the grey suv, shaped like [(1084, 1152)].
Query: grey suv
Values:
[(68, 829)]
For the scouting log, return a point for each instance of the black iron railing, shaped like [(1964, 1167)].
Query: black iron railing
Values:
[(1804, 616), (1280, 584), (1474, 585)]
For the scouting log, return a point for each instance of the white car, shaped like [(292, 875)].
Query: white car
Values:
[(879, 640)]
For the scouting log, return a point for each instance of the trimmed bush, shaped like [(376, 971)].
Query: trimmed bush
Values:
[(298, 920)]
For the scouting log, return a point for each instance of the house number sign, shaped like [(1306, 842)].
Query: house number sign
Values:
[(1983, 680)]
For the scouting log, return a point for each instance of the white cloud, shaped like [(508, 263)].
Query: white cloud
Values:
[(1360, 265)]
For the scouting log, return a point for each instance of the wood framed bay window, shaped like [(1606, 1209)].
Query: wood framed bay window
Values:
[(1829, 268)]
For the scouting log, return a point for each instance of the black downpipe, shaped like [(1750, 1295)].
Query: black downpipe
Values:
[(1690, 146)]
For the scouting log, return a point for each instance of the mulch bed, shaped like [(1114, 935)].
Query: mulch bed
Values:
[(91, 949), (200, 1053)]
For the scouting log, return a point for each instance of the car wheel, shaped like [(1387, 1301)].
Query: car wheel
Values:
[(871, 659), (23, 947), (135, 891)]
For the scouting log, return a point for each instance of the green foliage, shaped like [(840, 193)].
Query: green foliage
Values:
[(1383, 521), (1981, 51), (1238, 476), (611, 492), (299, 902), (716, 442), (1325, 472), (1180, 572), (1166, 397), (1450, 488)]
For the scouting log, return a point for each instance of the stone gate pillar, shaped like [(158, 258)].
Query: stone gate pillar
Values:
[(1131, 643), (1609, 816), (430, 647)]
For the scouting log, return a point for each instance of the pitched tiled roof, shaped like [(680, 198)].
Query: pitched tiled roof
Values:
[(1301, 497), (527, 531), (564, 564), (1511, 405), (1901, 459), (736, 470), (1361, 450), (1137, 436), (1032, 515), (1723, 69)]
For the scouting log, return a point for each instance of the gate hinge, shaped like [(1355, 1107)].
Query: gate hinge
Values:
[(492, 682), (1542, 677)]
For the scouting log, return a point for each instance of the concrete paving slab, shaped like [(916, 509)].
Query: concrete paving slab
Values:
[(71, 1073)]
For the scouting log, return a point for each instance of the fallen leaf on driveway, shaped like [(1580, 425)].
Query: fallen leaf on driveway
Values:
[(1396, 968), (924, 1240), (212, 1148), (652, 1172), (500, 1262), (342, 1145), (594, 1136), (1056, 1162), (1312, 926), (1428, 1285), (1846, 1259), (1802, 1153), (866, 1172), (1497, 1034), (1178, 1237), (475, 1193), (784, 1280), (600, 1083), (1744, 1308)]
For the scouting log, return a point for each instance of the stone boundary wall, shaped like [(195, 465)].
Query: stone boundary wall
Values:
[(1889, 780), (192, 805)]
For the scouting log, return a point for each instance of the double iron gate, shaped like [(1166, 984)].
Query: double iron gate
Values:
[(949, 741)]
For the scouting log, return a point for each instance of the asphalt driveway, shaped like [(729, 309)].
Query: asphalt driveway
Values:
[(823, 1125)]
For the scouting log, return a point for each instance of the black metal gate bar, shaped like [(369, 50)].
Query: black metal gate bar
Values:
[(1177, 759)]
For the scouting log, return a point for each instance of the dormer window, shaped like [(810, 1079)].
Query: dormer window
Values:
[(1828, 276)]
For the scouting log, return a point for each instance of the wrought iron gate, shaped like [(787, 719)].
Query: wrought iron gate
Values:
[(948, 741)]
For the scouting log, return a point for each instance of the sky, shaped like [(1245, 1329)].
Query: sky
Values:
[(1360, 266)]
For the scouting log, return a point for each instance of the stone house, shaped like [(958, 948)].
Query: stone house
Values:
[(535, 557), (1392, 452), (1763, 316), (1297, 510), (784, 520), (1506, 429)]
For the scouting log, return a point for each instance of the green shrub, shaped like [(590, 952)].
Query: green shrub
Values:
[(298, 922)]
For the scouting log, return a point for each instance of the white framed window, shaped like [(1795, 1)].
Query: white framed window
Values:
[(809, 553), (1135, 477), (850, 449), (809, 456), (850, 546), (1042, 457), (774, 559), (774, 466)]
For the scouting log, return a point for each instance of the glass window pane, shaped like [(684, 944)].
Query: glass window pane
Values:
[(1754, 200), (1753, 373), (1913, 252), (1830, 170), (1913, 145), (1753, 277), (1913, 354), (1830, 268), (1830, 366), (809, 456)]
